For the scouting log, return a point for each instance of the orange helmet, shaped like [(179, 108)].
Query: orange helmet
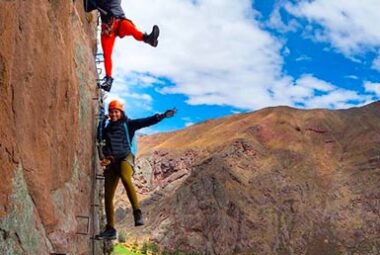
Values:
[(115, 104)]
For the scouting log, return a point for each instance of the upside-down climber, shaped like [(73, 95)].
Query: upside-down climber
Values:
[(114, 23), (119, 160)]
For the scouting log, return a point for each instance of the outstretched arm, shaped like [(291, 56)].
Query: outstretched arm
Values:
[(146, 122)]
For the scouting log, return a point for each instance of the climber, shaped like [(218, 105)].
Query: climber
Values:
[(114, 23), (119, 161)]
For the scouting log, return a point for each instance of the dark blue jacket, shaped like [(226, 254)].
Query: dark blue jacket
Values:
[(115, 135), (112, 7)]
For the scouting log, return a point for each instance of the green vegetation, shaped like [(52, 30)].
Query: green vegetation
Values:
[(135, 246), (147, 248), (153, 248), (121, 237), (121, 250), (144, 249)]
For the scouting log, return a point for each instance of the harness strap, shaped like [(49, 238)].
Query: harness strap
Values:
[(132, 160)]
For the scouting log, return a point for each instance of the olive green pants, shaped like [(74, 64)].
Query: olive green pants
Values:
[(124, 170)]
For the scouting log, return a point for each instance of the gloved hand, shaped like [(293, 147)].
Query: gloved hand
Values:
[(106, 161), (170, 113)]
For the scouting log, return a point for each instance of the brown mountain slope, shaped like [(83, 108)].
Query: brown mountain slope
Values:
[(277, 181)]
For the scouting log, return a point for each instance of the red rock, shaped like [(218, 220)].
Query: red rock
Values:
[(281, 181), (47, 81)]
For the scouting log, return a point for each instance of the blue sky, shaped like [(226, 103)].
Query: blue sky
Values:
[(221, 57)]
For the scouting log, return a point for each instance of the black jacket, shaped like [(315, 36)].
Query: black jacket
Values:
[(115, 135)]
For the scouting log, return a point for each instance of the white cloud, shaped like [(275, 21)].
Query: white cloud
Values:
[(353, 77), (335, 99), (114, 97), (376, 63), (131, 100), (140, 79), (312, 92), (188, 124), (276, 22), (313, 83), (236, 112), (188, 121), (372, 87), (303, 58), (349, 25), (215, 52)]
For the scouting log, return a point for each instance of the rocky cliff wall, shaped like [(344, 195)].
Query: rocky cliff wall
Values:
[(47, 81)]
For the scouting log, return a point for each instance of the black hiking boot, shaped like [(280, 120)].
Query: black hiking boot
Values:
[(106, 84), (137, 214), (152, 37), (109, 233)]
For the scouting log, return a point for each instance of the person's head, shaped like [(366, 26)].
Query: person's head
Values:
[(115, 110)]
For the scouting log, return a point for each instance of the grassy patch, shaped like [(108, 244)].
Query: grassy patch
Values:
[(121, 250)]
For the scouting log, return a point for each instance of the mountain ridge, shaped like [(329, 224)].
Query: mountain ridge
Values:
[(276, 181)]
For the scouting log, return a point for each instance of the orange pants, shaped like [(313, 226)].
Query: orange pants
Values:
[(118, 27)]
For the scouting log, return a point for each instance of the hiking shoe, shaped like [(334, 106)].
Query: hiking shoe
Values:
[(137, 214), (152, 37), (109, 233), (106, 84)]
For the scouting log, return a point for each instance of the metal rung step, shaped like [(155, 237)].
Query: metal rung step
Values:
[(87, 225), (100, 177)]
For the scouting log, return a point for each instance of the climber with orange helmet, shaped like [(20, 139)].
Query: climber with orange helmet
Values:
[(114, 23), (119, 160)]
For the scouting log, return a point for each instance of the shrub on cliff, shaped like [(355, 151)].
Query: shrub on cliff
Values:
[(144, 248), (121, 237)]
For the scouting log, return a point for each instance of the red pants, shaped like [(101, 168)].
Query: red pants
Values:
[(121, 28)]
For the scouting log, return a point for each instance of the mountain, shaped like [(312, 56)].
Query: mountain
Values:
[(276, 181)]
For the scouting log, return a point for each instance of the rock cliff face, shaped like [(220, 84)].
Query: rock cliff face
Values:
[(277, 181), (47, 78)]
